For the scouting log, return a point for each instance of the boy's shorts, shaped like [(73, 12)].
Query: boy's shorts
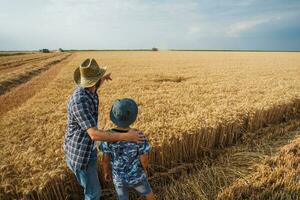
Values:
[(143, 188)]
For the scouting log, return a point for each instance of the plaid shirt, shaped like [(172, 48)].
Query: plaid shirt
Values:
[(82, 115)]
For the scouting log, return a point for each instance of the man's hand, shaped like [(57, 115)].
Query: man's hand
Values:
[(107, 177), (132, 135), (135, 135), (107, 77)]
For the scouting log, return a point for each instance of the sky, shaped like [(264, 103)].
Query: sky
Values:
[(138, 24)]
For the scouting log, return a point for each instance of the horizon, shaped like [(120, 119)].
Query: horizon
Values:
[(250, 25), (150, 49)]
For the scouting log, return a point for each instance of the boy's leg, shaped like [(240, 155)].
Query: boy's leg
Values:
[(122, 192), (88, 179), (145, 190)]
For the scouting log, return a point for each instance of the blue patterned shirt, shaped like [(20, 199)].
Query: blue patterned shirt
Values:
[(125, 163), (82, 115)]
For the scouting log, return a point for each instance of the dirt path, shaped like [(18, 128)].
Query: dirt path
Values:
[(22, 93), (206, 178)]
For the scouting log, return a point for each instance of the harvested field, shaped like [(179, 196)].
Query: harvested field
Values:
[(22, 71), (6, 54), (190, 104), (17, 96), (18, 59)]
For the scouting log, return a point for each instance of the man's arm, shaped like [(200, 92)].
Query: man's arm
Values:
[(87, 121), (106, 167), (144, 158), (101, 135)]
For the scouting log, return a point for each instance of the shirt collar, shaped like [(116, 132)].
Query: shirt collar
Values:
[(88, 92)]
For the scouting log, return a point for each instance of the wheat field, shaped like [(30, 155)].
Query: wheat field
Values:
[(190, 104)]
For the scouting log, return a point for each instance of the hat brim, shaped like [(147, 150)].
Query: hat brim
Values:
[(88, 82), (123, 124)]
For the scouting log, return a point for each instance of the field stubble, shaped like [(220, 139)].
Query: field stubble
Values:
[(20, 94), (11, 77), (223, 173), (10, 64)]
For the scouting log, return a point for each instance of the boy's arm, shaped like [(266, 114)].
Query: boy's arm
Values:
[(144, 158), (144, 149), (106, 167)]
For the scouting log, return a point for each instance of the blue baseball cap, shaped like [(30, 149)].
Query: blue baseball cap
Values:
[(124, 112)]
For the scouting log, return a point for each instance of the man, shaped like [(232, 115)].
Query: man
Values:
[(82, 128)]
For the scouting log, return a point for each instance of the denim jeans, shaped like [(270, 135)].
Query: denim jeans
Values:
[(88, 179), (143, 188)]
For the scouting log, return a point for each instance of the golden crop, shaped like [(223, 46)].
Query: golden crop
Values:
[(250, 169), (277, 176), (189, 103)]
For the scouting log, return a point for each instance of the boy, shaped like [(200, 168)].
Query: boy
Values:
[(129, 160)]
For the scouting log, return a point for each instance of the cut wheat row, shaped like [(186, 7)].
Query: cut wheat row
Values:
[(22, 75), (12, 61)]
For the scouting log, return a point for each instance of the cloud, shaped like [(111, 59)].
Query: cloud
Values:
[(123, 24), (238, 28), (194, 29)]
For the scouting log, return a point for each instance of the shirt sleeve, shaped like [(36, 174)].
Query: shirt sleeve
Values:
[(144, 147), (104, 147), (83, 114)]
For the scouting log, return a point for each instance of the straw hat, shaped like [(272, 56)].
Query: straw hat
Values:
[(124, 112), (88, 73)]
